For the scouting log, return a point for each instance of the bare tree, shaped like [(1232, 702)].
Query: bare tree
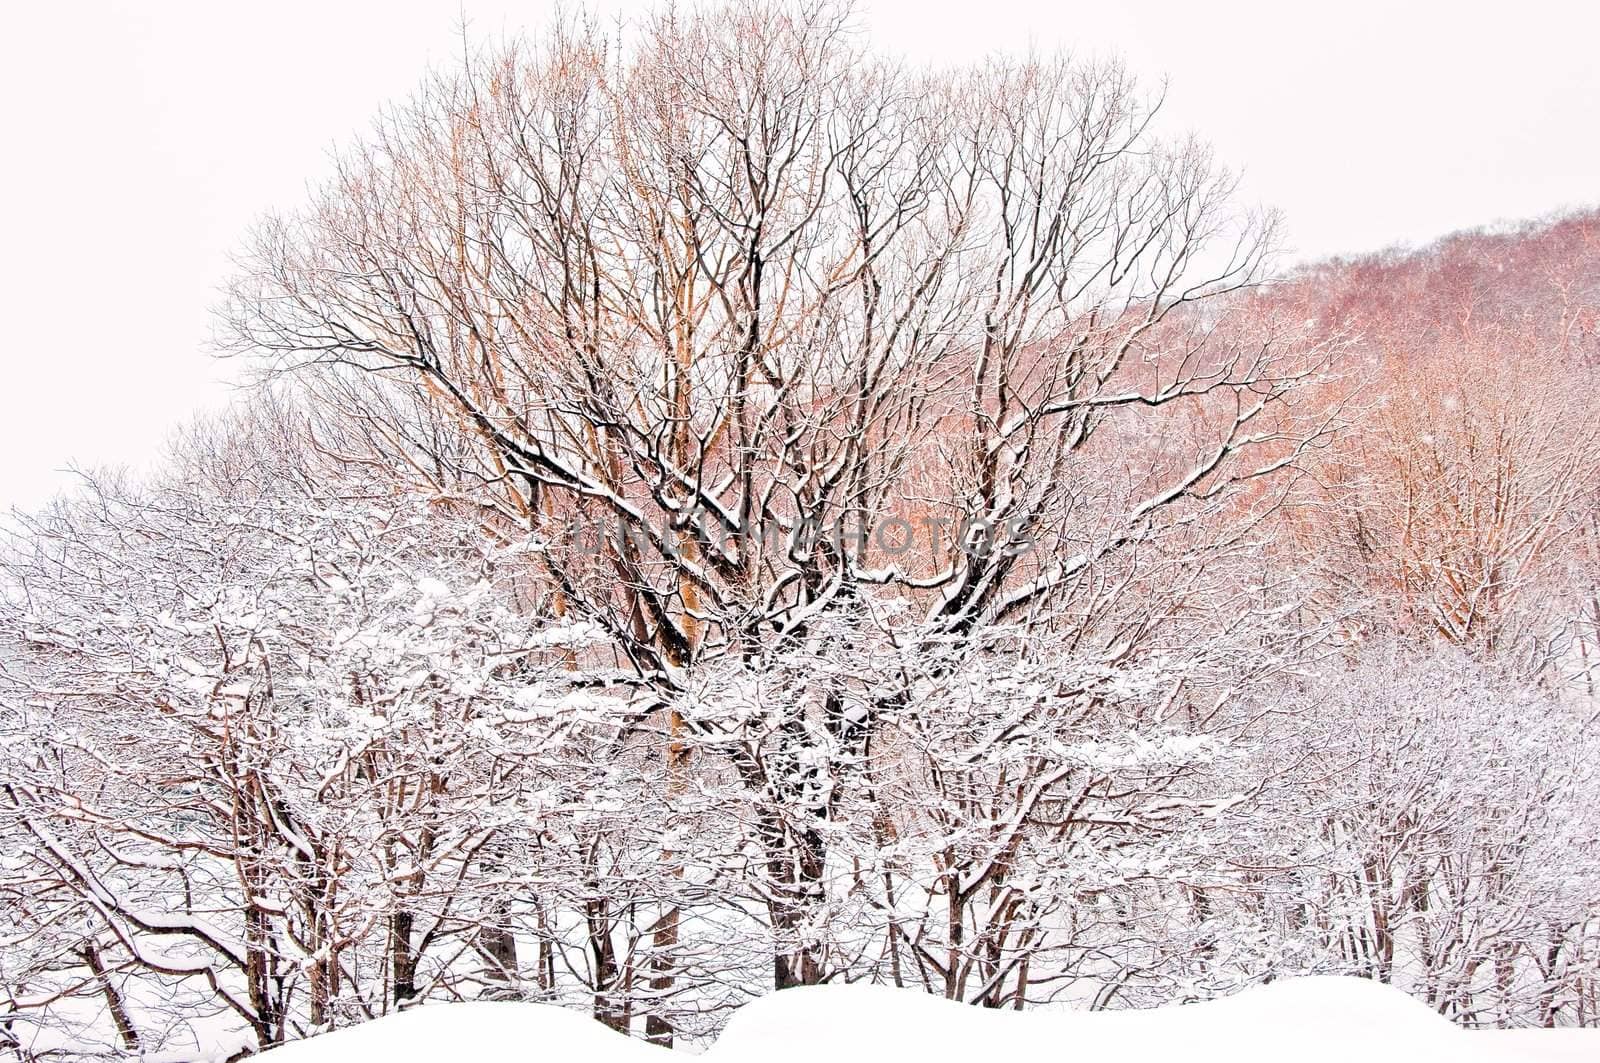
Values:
[(739, 294)]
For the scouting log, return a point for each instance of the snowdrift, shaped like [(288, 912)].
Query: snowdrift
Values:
[(1293, 1021)]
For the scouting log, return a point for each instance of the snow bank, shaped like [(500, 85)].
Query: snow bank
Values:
[(1306, 1020)]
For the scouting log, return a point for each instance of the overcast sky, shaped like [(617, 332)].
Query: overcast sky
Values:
[(140, 140)]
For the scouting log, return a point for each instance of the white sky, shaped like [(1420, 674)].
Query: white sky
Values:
[(140, 140)]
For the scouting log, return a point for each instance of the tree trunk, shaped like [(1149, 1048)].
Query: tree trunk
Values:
[(114, 1002), (603, 954), (404, 960)]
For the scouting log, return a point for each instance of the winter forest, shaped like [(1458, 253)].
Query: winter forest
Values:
[(721, 510)]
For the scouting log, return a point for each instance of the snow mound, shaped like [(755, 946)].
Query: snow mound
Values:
[(473, 1032), (1337, 1020)]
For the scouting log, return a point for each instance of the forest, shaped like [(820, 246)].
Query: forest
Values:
[(720, 510)]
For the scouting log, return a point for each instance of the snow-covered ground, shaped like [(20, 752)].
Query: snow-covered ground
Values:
[(1295, 1021)]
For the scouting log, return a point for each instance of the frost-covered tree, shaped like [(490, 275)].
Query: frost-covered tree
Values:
[(1447, 835), (257, 727), (789, 327)]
